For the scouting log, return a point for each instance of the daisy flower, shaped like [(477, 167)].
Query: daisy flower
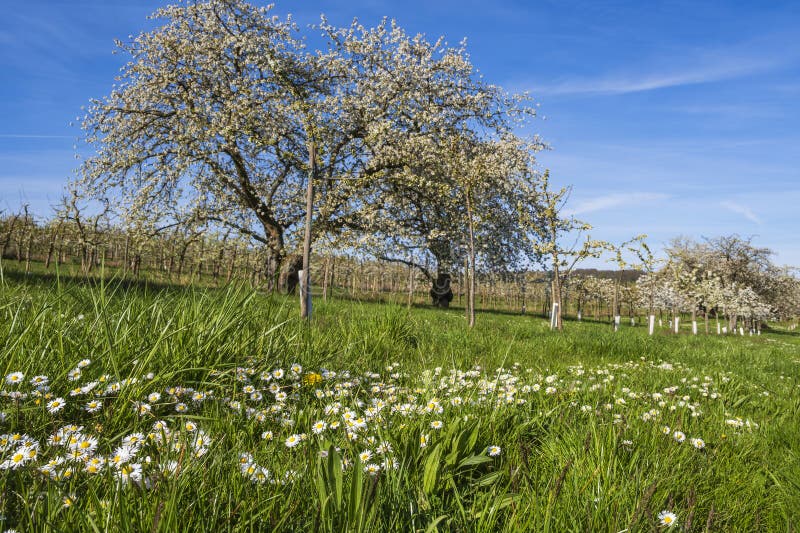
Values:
[(15, 378), (122, 455), (37, 381), (679, 436), (698, 443), (93, 406), (129, 472), (17, 459), (200, 452), (292, 441), (56, 405), (142, 408), (384, 448), (84, 444), (493, 451), (261, 475), (170, 467), (133, 440), (667, 518), (94, 465), (201, 440), (390, 464)]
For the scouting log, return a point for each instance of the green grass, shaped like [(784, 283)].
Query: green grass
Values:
[(563, 466)]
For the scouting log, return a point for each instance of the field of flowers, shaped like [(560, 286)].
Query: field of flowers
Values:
[(134, 409)]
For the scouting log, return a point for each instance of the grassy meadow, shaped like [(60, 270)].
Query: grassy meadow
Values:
[(130, 408)]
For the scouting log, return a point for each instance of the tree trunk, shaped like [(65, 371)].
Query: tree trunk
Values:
[(9, 234), (305, 283), (54, 235), (218, 262), (325, 280), (181, 259), (441, 294), (231, 265), (125, 256), (471, 298), (290, 273), (556, 290), (410, 285), (49, 256), (28, 245), (465, 288)]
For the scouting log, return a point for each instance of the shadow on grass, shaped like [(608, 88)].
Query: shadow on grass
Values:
[(51, 278)]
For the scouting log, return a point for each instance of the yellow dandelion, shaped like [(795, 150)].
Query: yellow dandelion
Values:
[(312, 378)]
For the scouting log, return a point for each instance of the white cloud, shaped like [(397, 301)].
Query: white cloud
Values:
[(615, 200), (689, 66), (743, 210), (705, 72)]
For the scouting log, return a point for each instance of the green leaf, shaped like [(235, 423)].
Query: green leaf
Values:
[(335, 474), (432, 467), (356, 491), (473, 437), (474, 460), (489, 479), (433, 525), (500, 503)]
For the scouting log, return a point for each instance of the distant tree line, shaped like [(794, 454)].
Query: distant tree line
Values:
[(727, 280)]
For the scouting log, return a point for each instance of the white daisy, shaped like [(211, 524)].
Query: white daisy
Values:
[(56, 405), (667, 518), (15, 378), (698, 443)]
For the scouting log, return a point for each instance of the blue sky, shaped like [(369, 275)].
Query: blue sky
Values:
[(667, 118)]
